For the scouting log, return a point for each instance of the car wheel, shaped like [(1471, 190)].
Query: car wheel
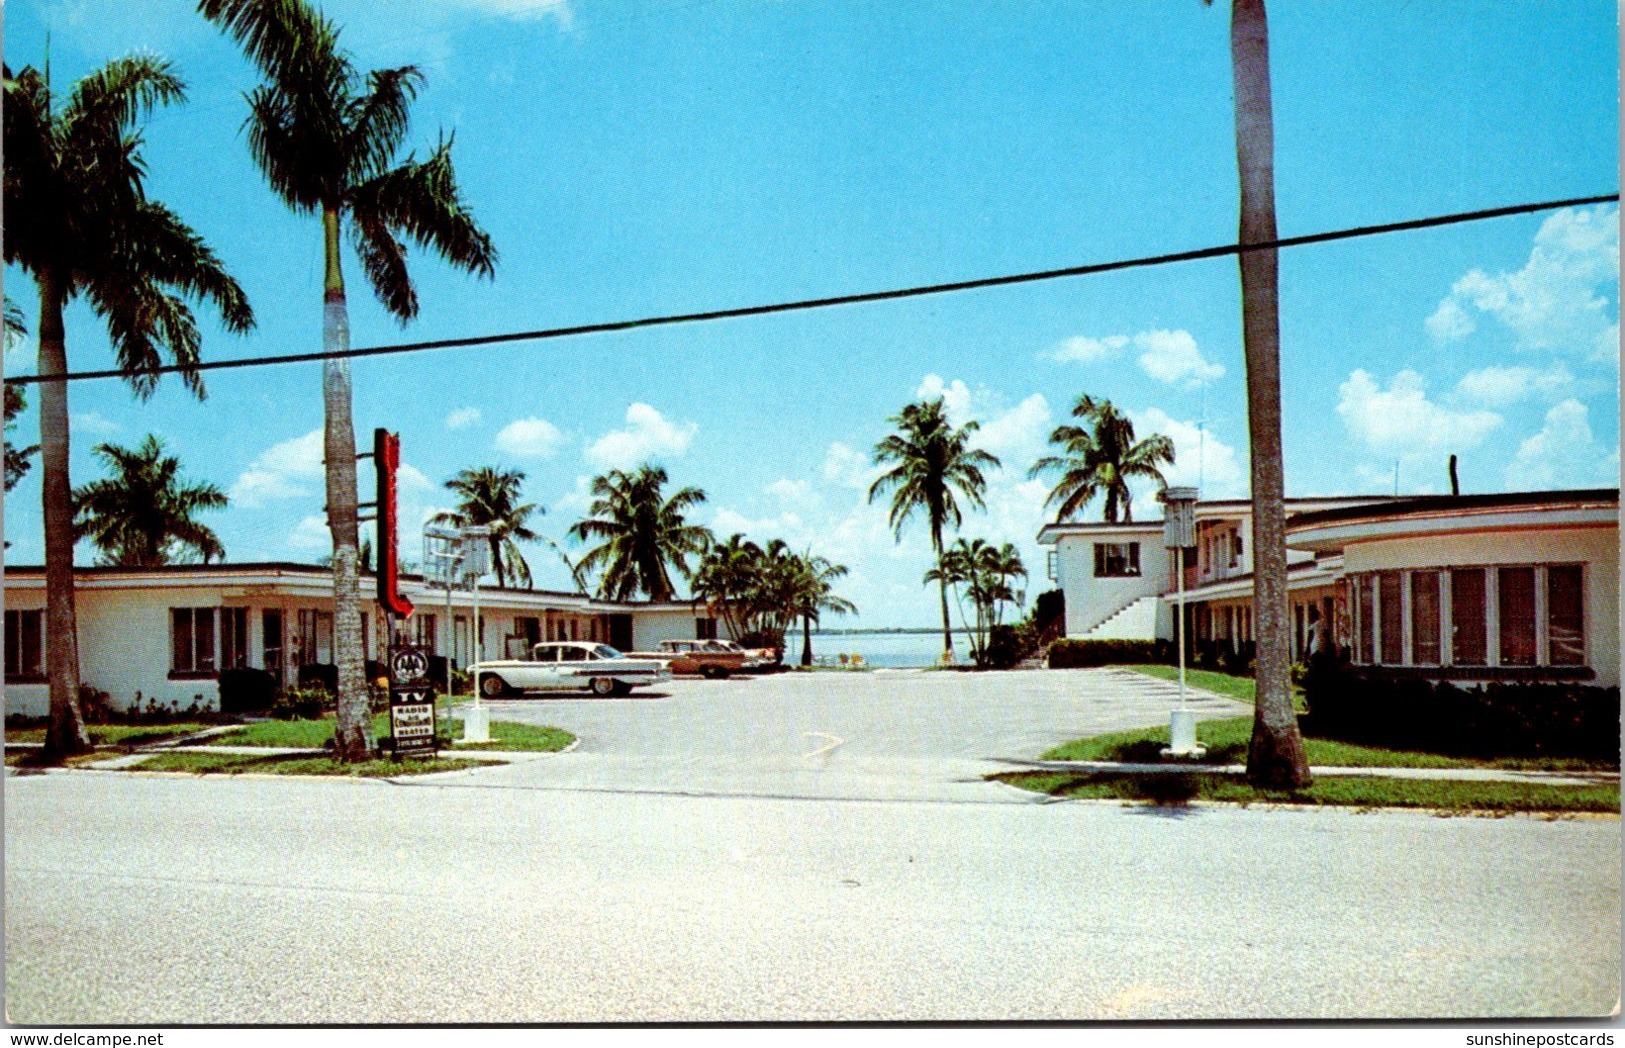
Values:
[(604, 687), (492, 686), (621, 688), (713, 672)]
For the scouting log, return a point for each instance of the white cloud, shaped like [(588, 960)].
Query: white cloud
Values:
[(462, 418), (1559, 300), (848, 468), (1017, 436), (648, 434), (956, 397), (311, 534), (1498, 385), (1563, 454), (90, 422), (291, 469), (793, 494), (409, 478), (1401, 421), (1080, 349), (522, 10), (530, 438), (1199, 456), (1173, 357)]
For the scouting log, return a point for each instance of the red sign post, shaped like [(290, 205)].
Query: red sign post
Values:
[(386, 451)]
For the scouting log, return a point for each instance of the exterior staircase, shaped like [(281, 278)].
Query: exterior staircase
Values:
[(1136, 620)]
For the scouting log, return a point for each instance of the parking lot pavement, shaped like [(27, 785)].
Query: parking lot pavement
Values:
[(877, 735)]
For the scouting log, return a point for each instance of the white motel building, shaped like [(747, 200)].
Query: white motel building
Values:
[(1520, 586), (168, 632)]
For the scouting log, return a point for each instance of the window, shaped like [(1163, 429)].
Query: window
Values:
[(25, 645), (571, 653), (1516, 603), (1117, 559), (1468, 620), (425, 630), (192, 637), (1391, 614), (1235, 548), (314, 641), (1565, 615), (1425, 618), (233, 638), (1363, 650), (271, 640), (528, 628), (705, 629)]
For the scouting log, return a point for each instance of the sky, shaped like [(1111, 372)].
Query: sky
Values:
[(634, 159)]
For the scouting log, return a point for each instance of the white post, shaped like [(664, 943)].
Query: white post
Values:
[(476, 720), (1179, 627)]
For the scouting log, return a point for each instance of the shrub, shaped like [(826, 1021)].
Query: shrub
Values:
[(243, 690), (95, 705), (1370, 708), (302, 704), (1071, 653), (319, 675)]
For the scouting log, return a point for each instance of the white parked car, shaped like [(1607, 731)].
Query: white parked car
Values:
[(564, 665)]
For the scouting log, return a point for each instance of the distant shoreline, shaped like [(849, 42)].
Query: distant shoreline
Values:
[(890, 631)]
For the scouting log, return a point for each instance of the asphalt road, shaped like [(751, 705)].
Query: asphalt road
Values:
[(145, 899), (882, 735)]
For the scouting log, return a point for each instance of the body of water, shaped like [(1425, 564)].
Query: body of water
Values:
[(878, 649)]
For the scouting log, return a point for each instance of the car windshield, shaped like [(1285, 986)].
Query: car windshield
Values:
[(604, 651)]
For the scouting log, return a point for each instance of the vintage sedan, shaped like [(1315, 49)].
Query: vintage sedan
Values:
[(708, 658), (570, 666)]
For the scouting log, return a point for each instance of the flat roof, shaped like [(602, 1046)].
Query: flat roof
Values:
[(1432, 504), (201, 573)]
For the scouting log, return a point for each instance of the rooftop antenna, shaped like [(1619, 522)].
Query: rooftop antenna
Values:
[(1455, 485)]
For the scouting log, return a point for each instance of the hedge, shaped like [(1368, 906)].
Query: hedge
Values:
[(1070, 653), (1499, 720)]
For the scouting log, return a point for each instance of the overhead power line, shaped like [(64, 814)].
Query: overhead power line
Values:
[(607, 327)]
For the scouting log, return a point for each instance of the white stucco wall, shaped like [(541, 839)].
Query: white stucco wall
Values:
[(1597, 548), (1091, 600), (650, 626)]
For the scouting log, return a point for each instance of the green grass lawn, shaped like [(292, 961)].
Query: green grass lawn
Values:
[(313, 734), (296, 764), (1226, 742), (1340, 791), (116, 734), (1228, 685)]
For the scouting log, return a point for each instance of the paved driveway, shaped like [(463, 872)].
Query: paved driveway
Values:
[(881, 735)]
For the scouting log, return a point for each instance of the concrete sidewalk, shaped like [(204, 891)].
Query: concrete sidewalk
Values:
[(1550, 778)]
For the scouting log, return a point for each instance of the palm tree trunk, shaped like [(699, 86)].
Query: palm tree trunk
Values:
[(496, 560), (352, 736), (65, 732), (1275, 757), (942, 591), (806, 640)]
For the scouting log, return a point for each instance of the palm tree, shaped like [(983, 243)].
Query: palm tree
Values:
[(932, 461), (17, 463), (814, 593), (143, 515), (726, 580), (640, 533), (1275, 756), (1004, 566), (326, 138), (79, 222), (490, 497), (1101, 458)]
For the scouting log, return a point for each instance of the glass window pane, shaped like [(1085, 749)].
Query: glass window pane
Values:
[(1425, 618), (1391, 597), (1565, 615), (1517, 606), (1364, 611), (33, 630), (181, 634), (203, 637), (1468, 644), (13, 637)]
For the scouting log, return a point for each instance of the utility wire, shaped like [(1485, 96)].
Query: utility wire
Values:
[(1217, 251)]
